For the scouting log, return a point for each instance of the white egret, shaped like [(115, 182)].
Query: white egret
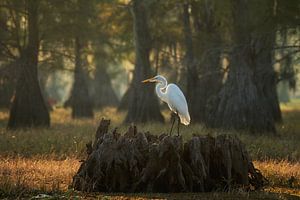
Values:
[(173, 96)]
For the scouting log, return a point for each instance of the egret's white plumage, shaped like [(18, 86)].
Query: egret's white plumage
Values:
[(173, 96)]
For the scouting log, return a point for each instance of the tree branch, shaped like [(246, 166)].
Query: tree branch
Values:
[(286, 56)]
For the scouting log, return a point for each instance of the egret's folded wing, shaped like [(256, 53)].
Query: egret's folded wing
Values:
[(177, 102)]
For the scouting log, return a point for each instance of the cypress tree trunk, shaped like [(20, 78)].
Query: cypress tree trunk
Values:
[(143, 105), (241, 103), (103, 94), (266, 78), (80, 100), (28, 107), (124, 103)]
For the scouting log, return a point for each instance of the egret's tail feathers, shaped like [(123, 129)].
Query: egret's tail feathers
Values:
[(185, 119)]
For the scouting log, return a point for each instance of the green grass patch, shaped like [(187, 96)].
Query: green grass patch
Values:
[(68, 137)]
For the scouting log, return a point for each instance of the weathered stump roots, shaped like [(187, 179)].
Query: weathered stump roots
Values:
[(141, 162)]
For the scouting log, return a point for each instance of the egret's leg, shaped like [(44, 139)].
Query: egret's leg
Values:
[(178, 119), (174, 118)]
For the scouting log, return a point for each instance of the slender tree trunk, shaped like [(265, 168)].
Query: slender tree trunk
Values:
[(80, 101), (28, 107), (208, 52), (286, 70), (192, 74), (6, 91), (143, 105), (8, 81)]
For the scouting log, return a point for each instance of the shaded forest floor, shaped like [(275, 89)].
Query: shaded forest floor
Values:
[(43, 161)]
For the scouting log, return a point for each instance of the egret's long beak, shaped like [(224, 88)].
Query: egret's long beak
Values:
[(149, 80)]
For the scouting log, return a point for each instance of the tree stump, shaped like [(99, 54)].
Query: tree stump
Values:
[(142, 162)]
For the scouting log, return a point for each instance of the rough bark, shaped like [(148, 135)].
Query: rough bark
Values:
[(266, 77), (80, 101), (141, 162), (241, 103), (28, 107), (143, 105)]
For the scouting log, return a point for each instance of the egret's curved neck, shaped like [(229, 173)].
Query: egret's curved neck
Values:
[(159, 87)]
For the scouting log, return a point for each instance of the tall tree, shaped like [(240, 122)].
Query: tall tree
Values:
[(103, 92), (11, 44), (266, 77), (143, 105), (80, 99), (190, 61), (241, 103), (28, 107), (203, 50)]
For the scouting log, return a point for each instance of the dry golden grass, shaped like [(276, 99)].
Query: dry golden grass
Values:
[(280, 173), (47, 175), (44, 160), (36, 173)]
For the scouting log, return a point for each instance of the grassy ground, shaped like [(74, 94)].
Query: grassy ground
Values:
[(43, 161)]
